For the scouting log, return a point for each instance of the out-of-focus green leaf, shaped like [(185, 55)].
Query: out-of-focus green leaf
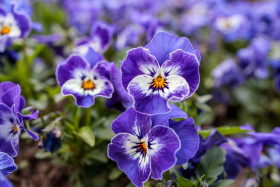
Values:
[(223, 131), (211, 164), (87, 135), (223, 183), (183, 182), (115, 173)]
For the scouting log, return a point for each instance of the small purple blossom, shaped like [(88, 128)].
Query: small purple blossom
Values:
[(11, 119), (166, 69), (81, 77)]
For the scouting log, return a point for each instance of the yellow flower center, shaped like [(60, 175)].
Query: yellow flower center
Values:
[(5, 30), (88, 85), (142, 147), (159, 82), (15, 128)]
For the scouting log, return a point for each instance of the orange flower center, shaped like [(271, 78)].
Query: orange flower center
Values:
[(159, 82), (88, 85), (5, 30), (15, 128), (142, 147)]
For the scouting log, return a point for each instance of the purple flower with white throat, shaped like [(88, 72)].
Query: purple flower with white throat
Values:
[(81, 77), (141, 150), (13, 24), (166, 69), (11, 119)]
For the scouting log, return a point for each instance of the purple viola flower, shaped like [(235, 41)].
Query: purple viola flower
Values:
[(185, 130), (81, 77), (11, 119), (166, 69), (7, 166), (141, 150), (100, 39), (228, 73), (253, 59), (13, 24)]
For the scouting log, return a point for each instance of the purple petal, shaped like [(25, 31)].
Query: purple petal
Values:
[(185, 65), (163, 44), (4, 181), (163, 119), (5, 86), (7, 164), (120, 95), (66, 69), (32, 116), (104, 33), (93, 57), (164, 145), (23, 21), (133, 123), (189, 139), (138, 62), (31, 134), (136, 171)]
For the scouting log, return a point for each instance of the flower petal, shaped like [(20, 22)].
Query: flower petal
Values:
[(85, 98), (163, 44), (164, 143), (136, 168), (138, 62), (185, 65), (133, 123), (67, 69), (189, 139), (103, 32), (149, 101), (163, 119), (7, 164)]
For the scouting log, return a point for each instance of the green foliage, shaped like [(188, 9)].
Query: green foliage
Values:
[(211, 164), (87, 135), (223, 130)]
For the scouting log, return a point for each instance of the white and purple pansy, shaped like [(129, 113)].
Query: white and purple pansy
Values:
[(81, 77), (141, 150), (11, 120), (166, 69), (13, 24)]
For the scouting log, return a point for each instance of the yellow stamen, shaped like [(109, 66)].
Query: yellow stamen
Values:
[(5, 30), (143, 147), (15, 128), (159, 82), (88, 85)]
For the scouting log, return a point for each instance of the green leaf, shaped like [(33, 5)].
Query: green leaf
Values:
[(223, 183), (211, 164), (223, 130), (87, 135), (183, 182)]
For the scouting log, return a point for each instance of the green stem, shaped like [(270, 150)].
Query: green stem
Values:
[(76, 117), (87, 116)]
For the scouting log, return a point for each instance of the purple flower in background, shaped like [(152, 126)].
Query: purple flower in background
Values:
[(141, 150), (227, 73), (13, 24), (7, 166), (52, 141), (166, 69), (233, 26), (11, 119), (253, 59), (276, 67), (81, 77), (100, 39), (129, 36)]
